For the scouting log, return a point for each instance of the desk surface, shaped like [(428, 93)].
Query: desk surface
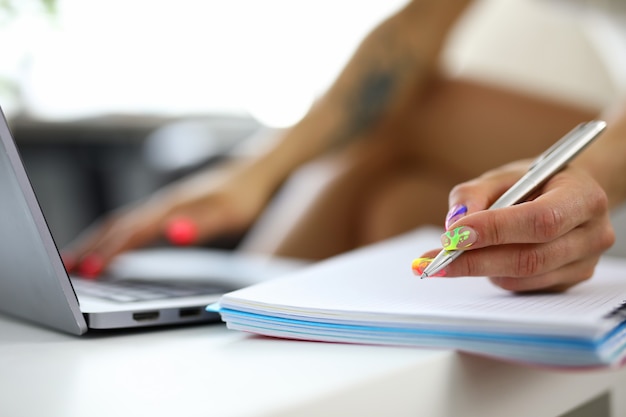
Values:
[(209, 370)]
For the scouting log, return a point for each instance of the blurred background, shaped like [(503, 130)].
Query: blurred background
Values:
[(109, 101)]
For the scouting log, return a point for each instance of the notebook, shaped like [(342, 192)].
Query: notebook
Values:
[(147, 288), (370, 296)]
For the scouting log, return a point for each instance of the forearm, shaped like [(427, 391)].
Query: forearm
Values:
[(390, 67), (606, 159)]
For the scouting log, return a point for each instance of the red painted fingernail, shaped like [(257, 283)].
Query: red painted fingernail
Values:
[(182, 232), (91, 266)]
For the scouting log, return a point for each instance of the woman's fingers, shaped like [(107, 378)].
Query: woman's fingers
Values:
[(478, 194), (563, 206), (98, 245), (556, 280), (195, 210), (533, 245), (531, 259)]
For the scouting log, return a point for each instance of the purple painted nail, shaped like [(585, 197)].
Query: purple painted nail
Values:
[(455, 213)]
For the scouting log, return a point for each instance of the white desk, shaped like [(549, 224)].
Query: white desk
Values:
[(211, 371)]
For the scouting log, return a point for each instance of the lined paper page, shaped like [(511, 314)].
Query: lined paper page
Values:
[(375, 284)]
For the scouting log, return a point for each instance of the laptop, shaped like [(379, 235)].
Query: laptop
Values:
[(149, 287)]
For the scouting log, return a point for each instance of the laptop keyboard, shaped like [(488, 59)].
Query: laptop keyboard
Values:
[(128, 290)]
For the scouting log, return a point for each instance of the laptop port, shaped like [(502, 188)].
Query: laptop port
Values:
[(146, 316), (189, 312)]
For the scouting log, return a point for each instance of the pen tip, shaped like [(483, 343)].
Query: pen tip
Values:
[(424, 275)]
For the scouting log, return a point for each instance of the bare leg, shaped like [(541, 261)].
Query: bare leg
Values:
[(387, 186), (315, 214), (469, 128)]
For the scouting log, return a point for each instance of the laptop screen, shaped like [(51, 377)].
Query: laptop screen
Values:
[(33, 282)]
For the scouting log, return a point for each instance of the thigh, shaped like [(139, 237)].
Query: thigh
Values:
[(317, 212), (400, 177), (403, 199), (465, 127), (458, 130)]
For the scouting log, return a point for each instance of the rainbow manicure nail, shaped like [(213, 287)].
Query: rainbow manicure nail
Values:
[(455, 213), (418, 265), (460, 238)]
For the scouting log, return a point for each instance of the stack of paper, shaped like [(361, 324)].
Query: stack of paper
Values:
[(371, 296)]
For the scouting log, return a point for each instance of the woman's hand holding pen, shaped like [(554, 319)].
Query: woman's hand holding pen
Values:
[(549, 243)]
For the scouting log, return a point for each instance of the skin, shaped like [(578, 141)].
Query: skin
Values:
[(368, 197), (393, 64), (389, 147), (554, 241)]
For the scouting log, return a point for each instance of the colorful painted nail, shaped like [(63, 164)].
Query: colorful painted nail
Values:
[(418, 265), (455, 213), (459, 238)]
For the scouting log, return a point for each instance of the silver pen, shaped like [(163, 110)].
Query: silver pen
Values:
[(541, 170)]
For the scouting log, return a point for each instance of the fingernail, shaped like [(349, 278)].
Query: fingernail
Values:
[(455, 213), (459, 238), (91, 266), (419, 265), (181, 232)]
